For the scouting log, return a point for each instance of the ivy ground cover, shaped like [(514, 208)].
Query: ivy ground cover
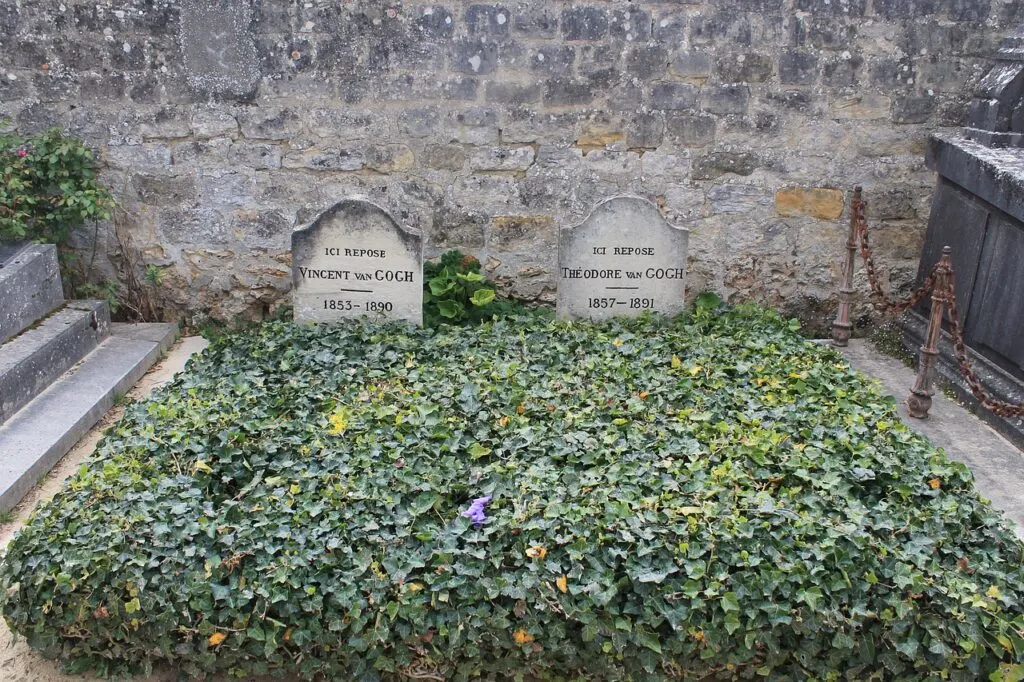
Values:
[(709, 496)]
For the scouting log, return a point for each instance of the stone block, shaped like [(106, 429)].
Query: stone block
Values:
[(493, 20), (912, 109), (149, 158), (716, 164), (30, 286), (533, 20), (645, 130), (725, 99), (502, 159), (584, 23), (257, 156), (516, 233), (435, 21), (647, 62), (690, 129), (501, 92), (176, 190), (443, 156), (738, 198), (630, 23), (861, 107), (556, 60), (474, 56), (673, 96), (388, 158), (208, 122), (746, 67), (817, 202), (798, 68), (325, 159), (219, 49), (30, 362), (560, 92), (269, 123), (691, 65), (454, 227)]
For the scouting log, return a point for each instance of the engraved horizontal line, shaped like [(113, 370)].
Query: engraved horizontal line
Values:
[(358, 291), (623, 288)]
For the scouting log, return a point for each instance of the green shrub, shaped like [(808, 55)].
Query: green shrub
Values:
[(670, 499), (48, 187), (455, 292)]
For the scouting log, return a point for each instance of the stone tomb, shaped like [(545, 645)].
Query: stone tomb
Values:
[(622, 260), (355, 260)]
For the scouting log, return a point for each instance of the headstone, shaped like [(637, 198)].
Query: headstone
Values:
[(355, 260), (623, 260), (218, 47)]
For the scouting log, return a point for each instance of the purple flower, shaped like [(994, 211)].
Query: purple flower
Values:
[(475, 513)]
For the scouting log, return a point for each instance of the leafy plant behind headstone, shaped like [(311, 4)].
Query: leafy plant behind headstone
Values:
[(455, 292)]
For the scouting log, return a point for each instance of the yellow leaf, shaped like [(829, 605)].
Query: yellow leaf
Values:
[(339, 421), (536, 552), (520, 409), (415, 587), (504, 421), (200, 465), (217, 638), (993, 592), (643, 394), (695, 369), (563, 584), (676, 362), (522, 637), (617, 342), (935, 483)]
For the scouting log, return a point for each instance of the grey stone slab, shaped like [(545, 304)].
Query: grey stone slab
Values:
[(998, 466), (44, 430), (621, 261), (219, 48), (29, 288), (354, 260), (32, 360), (9, 251), (959, 221), (996, 319), (993, 174)]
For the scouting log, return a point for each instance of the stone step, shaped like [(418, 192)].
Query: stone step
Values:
[(32, 360), (42, 432), (30, 286)]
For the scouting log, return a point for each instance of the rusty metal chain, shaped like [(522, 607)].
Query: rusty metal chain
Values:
[(997, 407), (890, 306)]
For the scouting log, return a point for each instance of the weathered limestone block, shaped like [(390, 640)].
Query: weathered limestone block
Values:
[(826, 204)]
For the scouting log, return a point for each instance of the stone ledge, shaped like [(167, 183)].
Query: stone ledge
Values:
[(993, 174)]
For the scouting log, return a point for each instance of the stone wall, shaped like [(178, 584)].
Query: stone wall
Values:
[(225, 123)]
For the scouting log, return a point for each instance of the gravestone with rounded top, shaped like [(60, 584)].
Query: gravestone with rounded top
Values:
[(354, 260), (621, 261)]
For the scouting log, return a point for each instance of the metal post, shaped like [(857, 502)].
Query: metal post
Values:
[(842, 329), (920, 399)]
